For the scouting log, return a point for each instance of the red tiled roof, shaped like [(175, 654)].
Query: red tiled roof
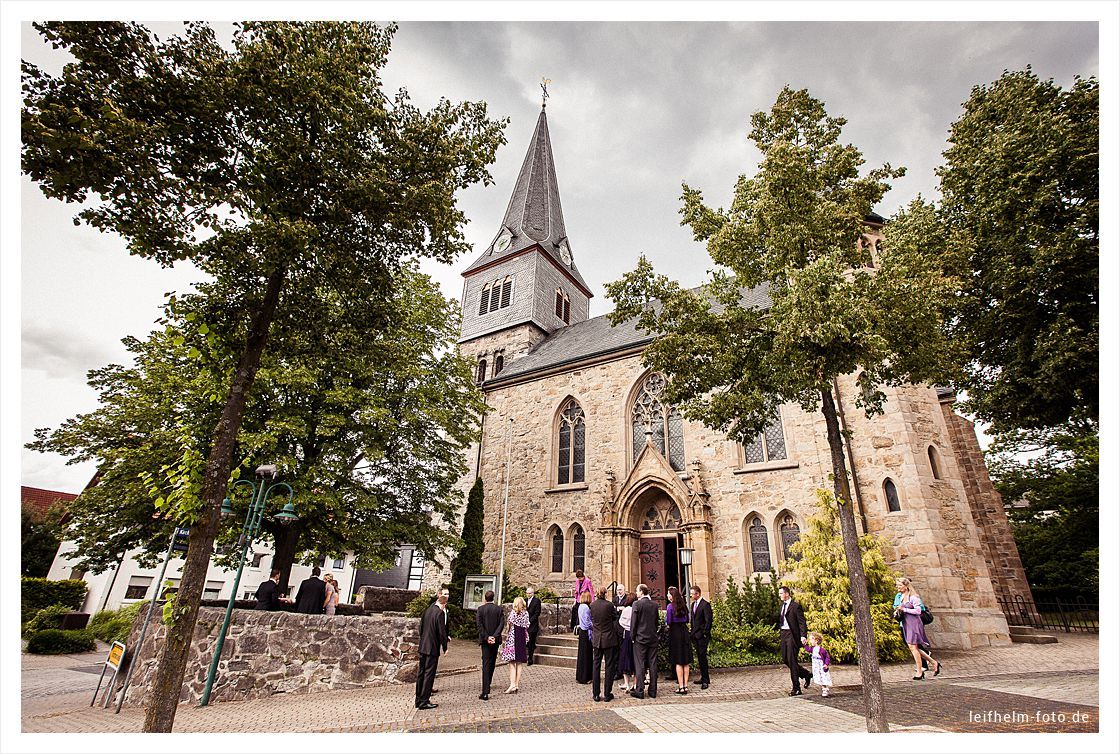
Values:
[(39, 500)]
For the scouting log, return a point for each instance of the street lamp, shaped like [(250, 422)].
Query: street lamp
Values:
[(249, 531), (686, 562)]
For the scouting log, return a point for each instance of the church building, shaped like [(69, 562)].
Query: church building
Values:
[(604, 475)]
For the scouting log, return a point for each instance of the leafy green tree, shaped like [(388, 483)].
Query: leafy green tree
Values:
[(1056, 473), (793, 233), (1020, 190), (279, 167), (38, 543), (819, 574), (368, 427)]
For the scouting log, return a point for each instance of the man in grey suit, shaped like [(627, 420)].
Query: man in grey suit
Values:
[(643, 633), (489, 619), (604, 642)]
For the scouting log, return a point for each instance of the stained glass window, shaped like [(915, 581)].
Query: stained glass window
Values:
[(891, 493), (557, 540), (650, 413), (770, 445), (577, 548), (572, 444), (760, 546), (662, 516), (790, 532)]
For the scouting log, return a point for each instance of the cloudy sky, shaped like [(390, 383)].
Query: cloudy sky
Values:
[(635, 109)]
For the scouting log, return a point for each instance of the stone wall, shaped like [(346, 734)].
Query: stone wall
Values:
[(269, 653), (383, 599)]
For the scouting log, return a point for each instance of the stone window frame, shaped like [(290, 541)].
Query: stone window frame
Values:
[(549, 539), (887, 495), (628, 421), (499, 361), (935, 464), (554, 464), (748, 549), (480, 371), (779, 538), (789, 462)]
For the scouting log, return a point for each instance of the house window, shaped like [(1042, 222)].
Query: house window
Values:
[(213, 590), (338, 563), (257, 558), (556, 542), (663, 423), (481, 372), (570, 451), (578, 545), (759, 543), (890, 492), (934, 462), (137, 587), (170, 586), (77, 574), (790, 533), (770, 445)]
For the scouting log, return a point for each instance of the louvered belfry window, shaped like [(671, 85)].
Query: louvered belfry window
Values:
[(496, 295), (663, 421), (572, 444)]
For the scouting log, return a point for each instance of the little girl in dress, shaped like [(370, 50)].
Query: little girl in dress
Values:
[(822, 661)]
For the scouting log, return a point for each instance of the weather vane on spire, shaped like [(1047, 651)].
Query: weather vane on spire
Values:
[(544, 90)]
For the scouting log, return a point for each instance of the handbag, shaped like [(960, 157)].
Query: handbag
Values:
[(926, 615)]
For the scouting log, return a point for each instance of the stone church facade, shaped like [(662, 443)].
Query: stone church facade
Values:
[(604, 475)]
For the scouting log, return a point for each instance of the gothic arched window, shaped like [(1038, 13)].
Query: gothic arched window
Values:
[(890, 492), (770, 445), (570, 451), (481, 377), (556, 546), (663, 422), (661, 516), (578, 546), (499, 363), (759, 546), (790, 533)]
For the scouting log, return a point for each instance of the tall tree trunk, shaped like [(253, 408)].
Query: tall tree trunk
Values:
[(285, 538), (861, 603), (167, 686)]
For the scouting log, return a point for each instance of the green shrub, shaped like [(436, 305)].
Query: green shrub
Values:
[(35, 594), (48, 617), (115, 625), (53, 641), (820, 579), (420, 603)]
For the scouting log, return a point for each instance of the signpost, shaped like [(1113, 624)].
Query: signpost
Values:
[(116, 655)]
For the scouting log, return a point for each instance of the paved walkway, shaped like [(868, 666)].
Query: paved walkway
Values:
[(1039, 688)]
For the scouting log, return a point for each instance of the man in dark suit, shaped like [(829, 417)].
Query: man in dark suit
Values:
[(792, 632), (620, 596), (433, 641), (268, 596), (489, 620), (604, 643), (700, 631), (533, 607), (643, 633), (312, 594)]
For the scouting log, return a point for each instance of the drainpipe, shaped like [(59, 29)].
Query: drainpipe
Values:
[(851, 458)]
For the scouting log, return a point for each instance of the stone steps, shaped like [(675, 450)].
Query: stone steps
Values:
[(557, 650), (1028, 635)]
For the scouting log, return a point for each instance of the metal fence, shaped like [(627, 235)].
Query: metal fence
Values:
[(1060, 615)]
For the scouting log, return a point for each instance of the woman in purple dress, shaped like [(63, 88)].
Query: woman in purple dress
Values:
[(909, 611), (515, 649), (680, 646)]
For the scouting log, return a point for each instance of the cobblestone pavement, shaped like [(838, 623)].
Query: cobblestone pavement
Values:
[(551, 701)]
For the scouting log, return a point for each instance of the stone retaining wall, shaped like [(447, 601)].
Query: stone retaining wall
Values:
[(269, 653), (381, 599)]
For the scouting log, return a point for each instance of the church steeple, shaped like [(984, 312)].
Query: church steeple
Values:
[(534, 215)]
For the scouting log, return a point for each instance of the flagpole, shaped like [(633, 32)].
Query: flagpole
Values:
[(505, 511)]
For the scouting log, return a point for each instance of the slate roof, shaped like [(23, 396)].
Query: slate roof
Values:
[(534, 215), (593, 337)]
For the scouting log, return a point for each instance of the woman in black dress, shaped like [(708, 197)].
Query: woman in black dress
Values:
[(583, 629), (680, 648)]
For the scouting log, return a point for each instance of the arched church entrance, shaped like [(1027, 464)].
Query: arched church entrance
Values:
[(657, 519)]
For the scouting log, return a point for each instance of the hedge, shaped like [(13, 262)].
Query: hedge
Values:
[(53, 641), (48, 617), (35, 594), (115, 625)]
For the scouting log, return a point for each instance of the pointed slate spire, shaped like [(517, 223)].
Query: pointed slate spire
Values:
[(534, 215)]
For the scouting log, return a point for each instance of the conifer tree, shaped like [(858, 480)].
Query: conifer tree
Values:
[(819, 573), (469, 559)]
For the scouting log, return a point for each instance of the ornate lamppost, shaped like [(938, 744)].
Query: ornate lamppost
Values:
[(252, 524)]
